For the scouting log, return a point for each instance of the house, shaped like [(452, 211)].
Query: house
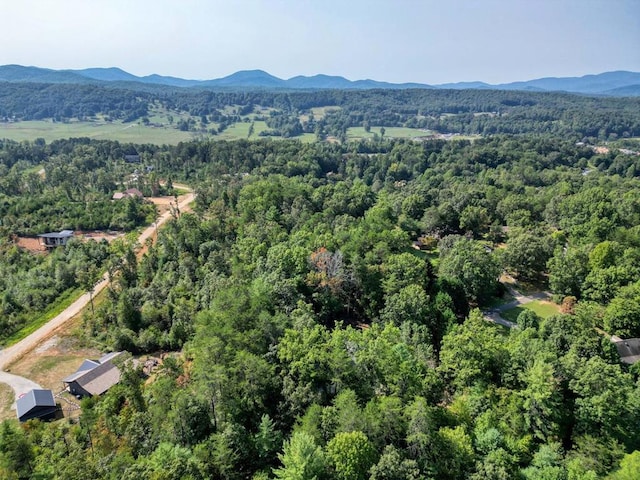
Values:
[(132, 158), (55, 239), (130, 193), (94, 377), (629, 349), (36, 404)]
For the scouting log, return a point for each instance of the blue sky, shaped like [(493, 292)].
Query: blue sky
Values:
[(424, 41)]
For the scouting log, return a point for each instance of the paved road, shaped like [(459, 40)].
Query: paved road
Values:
[(11, 354), (493, 315)]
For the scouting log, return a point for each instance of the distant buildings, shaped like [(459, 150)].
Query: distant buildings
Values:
[(55, 239), (36, 404), (130, 193)]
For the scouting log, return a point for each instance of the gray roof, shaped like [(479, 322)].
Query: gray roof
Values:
[(629, 350), (100, 379), (85, 367), (33, 399), (98, 375), (61, 234)]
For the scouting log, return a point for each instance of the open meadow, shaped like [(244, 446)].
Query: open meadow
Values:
[(122, 132)]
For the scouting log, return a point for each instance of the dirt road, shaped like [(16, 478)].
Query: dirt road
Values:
[(11, 354)]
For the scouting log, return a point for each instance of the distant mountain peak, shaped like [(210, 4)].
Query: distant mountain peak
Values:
[(619, 83)]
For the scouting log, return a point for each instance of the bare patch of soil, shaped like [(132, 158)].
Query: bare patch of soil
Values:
[(6, 400), (162, 203), (55, 358), (29, 243)]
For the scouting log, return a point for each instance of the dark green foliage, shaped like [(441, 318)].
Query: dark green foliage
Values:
[(311, 341)]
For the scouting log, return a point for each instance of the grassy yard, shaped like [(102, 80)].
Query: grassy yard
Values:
[(542, 308)]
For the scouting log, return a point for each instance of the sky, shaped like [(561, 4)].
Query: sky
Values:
[(426, 41)]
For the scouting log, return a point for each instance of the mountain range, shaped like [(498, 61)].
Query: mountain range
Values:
[(618, 83)]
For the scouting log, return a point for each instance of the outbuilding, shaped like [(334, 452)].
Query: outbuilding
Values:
[(36, 404)]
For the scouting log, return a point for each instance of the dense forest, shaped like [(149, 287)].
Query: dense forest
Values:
[(484, 112), (311, 340)]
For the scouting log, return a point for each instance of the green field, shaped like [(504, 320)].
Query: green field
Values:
[(127, 132), (541, 308), (123, 132), (241, 130), (357, 133)]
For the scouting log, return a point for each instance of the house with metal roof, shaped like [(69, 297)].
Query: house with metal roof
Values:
[(55, 239), (94, 377), (629, 349), (36, 404)]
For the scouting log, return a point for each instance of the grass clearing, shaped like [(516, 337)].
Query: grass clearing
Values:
[(321, 112), (357, 133), (542, 308), (241, 131), (123, 132)]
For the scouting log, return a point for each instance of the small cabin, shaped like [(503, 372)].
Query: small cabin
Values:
[(55, 239), (36, 404)]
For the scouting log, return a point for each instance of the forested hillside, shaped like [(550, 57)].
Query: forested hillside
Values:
[(311, 340), (483, 112)]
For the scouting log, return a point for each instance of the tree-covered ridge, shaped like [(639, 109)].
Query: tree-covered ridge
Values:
[(485, 112), (317, 344)]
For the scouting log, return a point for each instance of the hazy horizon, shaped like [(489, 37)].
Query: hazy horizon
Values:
[(494, 41)]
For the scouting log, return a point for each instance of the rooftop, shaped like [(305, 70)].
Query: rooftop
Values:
[(34, 398), (96, 376), (629, 349), (61, 234)]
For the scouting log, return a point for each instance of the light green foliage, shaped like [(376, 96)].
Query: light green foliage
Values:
[(475, 220), (301, 459), (167, 462), (605, 399), (527, 253), (605, 254), (474, 267), (622, 316), (402, 270), (455, 455), (546, 464), (410, 304), (629, 467), (567, 271), (542, 400), (472, 352), (351, 454), (528, 319), (392, 466)]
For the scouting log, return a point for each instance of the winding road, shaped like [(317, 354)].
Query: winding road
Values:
[(10, 354)]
